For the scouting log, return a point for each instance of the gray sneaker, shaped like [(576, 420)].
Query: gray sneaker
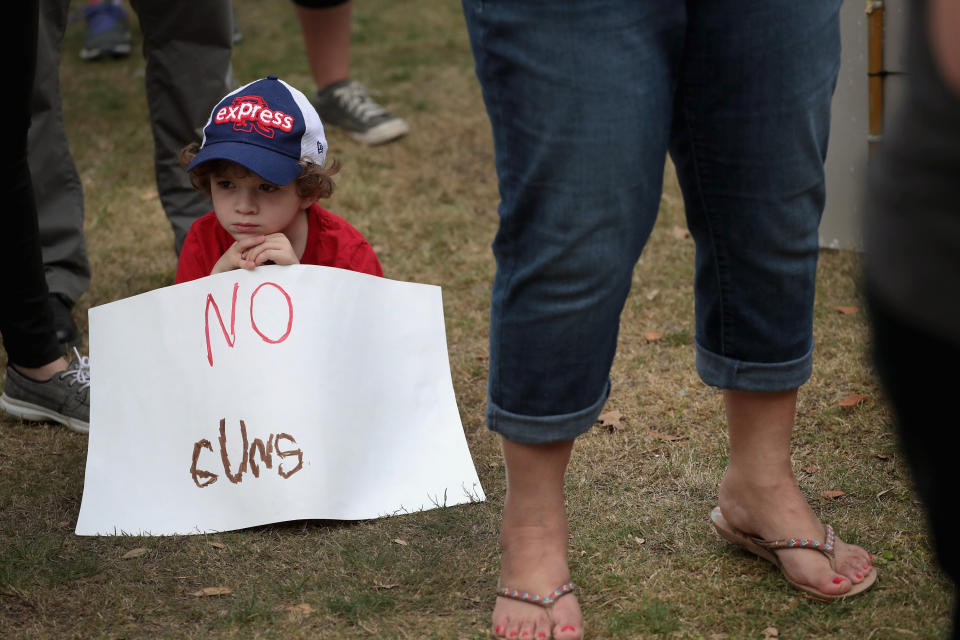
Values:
[(347, 105), (64, 398)]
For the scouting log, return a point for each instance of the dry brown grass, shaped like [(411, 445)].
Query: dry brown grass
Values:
[(642, 549)]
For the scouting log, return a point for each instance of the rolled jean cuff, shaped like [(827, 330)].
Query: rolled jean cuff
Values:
[(544, 429), (738, 375)]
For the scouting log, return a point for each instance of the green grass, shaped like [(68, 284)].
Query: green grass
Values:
[(642, 551)]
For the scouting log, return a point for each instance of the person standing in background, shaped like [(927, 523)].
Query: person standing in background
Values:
[(188, 48), (912, 267), (40, 384), (340, 100)]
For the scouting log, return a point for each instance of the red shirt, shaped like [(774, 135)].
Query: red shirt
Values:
[(331, 242)]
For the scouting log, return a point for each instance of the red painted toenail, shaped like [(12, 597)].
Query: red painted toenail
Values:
[(838, 580), (498, 629), (513, 634), (859, 577), (568, 628), (541, 635)]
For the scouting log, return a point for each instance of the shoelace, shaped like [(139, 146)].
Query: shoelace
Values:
[(357, 102), (79, 369)]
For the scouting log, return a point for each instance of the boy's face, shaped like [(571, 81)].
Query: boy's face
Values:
[(247, 205)]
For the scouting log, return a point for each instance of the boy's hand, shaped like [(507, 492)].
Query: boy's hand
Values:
[(237, 256), (275, 248)]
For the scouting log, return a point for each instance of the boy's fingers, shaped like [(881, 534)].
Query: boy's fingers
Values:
[(246, 243)]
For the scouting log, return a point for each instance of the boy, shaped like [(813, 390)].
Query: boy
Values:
[(262, 163)]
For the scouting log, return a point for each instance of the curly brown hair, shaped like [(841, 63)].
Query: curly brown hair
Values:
[(315, 181)]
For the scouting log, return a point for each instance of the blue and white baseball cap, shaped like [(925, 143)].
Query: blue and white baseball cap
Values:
[(268, 127)]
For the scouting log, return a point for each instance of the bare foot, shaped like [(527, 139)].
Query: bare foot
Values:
[(533, 540), (778, 512), (534, 560)]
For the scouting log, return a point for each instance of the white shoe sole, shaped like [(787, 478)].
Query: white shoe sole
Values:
[(30, 411), (382, 133)]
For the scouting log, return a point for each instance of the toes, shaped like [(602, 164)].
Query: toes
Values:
[(566, 631), (809, 568), (526, 631), (520, 621), (854, 563), (838, 585), (856, 572), (541, 632)]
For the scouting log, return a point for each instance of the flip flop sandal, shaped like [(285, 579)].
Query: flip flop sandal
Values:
[(765, 549), (544, 601), (532, 598)]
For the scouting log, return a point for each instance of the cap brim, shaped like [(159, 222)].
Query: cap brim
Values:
[(273, 167)]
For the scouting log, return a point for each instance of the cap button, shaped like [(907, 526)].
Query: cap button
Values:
[(271, 77)]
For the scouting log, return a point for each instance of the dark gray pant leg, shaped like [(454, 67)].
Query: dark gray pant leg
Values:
[(56, 183), (187, 46)]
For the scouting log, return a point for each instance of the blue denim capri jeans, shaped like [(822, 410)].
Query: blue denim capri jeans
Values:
[(585, 101)]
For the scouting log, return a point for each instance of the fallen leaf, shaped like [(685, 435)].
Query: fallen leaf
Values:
[(217, 545), (885, 491), (804, 453), (401, 542), (771, 632), (847, 311), (639, 540), (810, 468), (135, 553), (378, 585), (611, 419), (883, 456), (653, 294), (664, 436), (302, 608), (833, 493), (212, 591), (853, 400), (652, 336)]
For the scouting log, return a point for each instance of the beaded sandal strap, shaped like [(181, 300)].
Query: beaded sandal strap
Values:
[(802, 543), (532, 598)]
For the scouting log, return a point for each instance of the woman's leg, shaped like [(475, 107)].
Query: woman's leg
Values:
[(533, 541), (580, 101), (749, 139), (759, 493)]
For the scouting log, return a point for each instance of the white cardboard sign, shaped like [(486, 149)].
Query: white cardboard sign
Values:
[(282, 393)]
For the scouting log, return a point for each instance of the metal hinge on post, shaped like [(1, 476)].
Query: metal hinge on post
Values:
[(875, 72)]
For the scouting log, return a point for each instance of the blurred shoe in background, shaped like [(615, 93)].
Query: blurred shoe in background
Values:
[(345, 104), (107, 33)]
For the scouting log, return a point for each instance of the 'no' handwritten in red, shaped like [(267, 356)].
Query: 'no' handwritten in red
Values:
[(231, 336)]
